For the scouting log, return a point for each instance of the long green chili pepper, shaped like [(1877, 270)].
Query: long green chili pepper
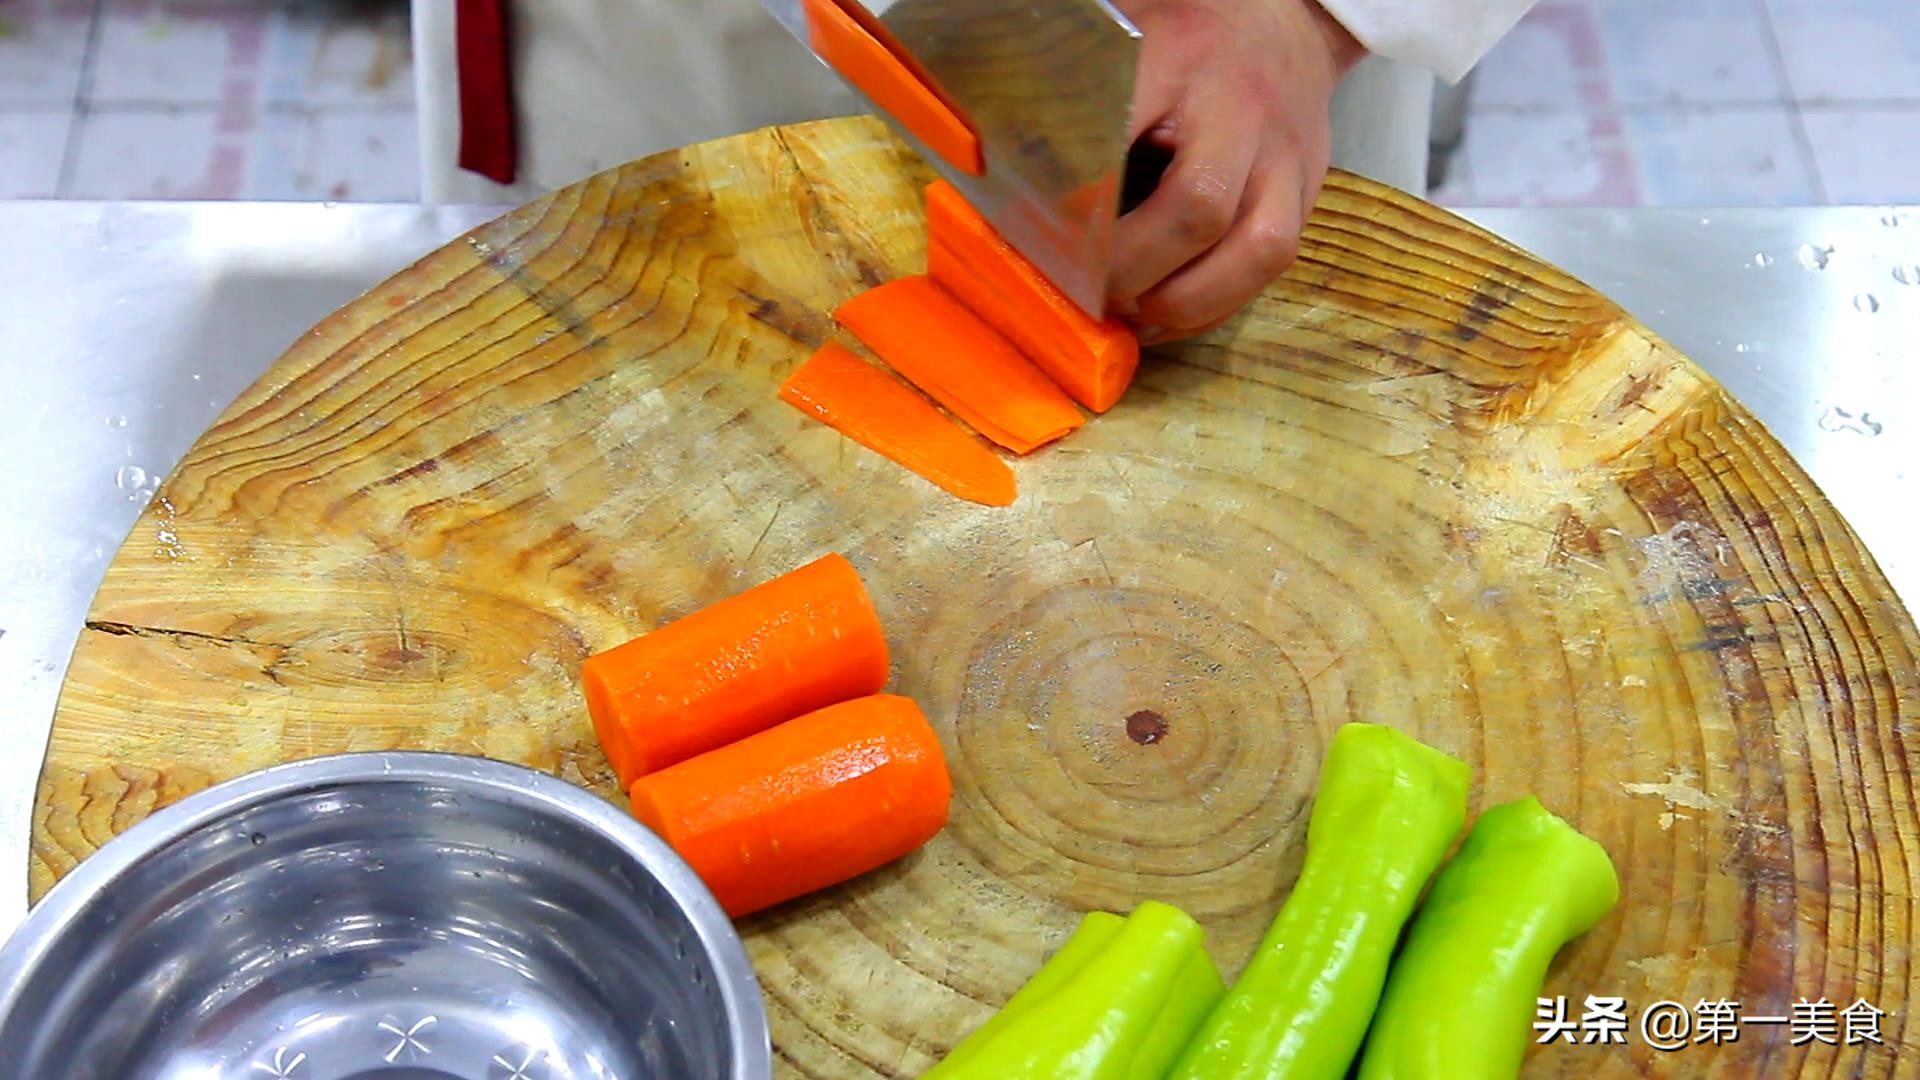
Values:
[(1460, 999), (1387, 809), (1116, 1002), (1196, 991), (1096, 929)]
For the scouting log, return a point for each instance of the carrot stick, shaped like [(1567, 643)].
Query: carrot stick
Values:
[(816, 801), (961, 362), (869, 63), (884, 414), (1092, 360), (787, 646)]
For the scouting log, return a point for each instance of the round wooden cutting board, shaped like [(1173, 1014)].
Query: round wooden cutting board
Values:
[(1427, 481)]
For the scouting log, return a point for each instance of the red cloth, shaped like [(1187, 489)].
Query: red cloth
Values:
[(486, 89)]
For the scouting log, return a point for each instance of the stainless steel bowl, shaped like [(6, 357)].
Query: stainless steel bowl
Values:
[(400, 916)]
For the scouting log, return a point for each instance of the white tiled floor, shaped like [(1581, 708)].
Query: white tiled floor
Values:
[(1698, 103), (317, 153), (1849, 50), (32, 144), (146, 152), (146, 55), (1595, 102), (1558, 157), (1693, 52), (43, 46), (1866, 154), (206, 99), (1700, 156)]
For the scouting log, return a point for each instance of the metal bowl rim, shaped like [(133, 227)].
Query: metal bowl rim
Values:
[(747, 1029)]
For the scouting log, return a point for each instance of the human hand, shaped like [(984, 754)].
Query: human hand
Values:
[(1237, 91)]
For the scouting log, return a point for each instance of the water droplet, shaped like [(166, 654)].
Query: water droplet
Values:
[(1838, 419), (1866, 302), (1742, 347), (1763, 260), (1907, 275), (1706, 221), (196, 376), (116, 421), (1814, 258), (258, 839), (130, 478)]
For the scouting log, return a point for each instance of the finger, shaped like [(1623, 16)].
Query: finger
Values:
[(1258, 249), (1197, 200), (1161, 74), (1156, 88), (1157, 335)]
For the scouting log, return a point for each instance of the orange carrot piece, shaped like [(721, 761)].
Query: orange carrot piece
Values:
[(868, 63), (885, 415), (787, 646), (937, 344), (814, 802), (1092, 360)]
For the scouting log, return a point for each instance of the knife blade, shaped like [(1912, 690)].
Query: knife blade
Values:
[(1046, 88)]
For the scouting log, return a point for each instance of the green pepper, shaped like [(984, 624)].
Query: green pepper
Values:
[(1198, 990), (1117, 1001), (1460, 1000), (1387, 810)]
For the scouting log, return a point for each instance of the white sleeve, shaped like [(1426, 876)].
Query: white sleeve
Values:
[(1447, 37)]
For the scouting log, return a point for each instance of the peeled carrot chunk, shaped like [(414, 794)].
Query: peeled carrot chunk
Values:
[(795, 643), (1092, 360), (939, 345), (814, 802), (868, 63), (885, 415)]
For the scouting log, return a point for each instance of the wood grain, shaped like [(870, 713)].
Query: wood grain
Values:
[(1427, 481)]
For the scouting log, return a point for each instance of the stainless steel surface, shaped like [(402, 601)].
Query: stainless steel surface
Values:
[(129, 327), (1048, 87), (382, 915)]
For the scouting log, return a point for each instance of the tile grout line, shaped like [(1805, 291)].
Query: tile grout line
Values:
[(1796, 121), (1697, 108), (82, 91)]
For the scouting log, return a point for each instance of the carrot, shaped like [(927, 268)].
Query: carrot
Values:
[(960, 361), (789, 645), (1092, 360), (867, 61), (816, 801), (883, 414)]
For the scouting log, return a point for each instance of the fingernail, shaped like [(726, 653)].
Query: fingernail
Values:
[(1126, 309)]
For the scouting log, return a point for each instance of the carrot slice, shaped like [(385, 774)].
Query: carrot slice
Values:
[(816, 801), (1092, 360), (885, 415), (868, 63), (937, 344), (787, 646)]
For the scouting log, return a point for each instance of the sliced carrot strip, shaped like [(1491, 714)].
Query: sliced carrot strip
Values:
[(787, 646), (885, 415), (814, 802), (868, 63), (937, 344), (1092, 360)]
